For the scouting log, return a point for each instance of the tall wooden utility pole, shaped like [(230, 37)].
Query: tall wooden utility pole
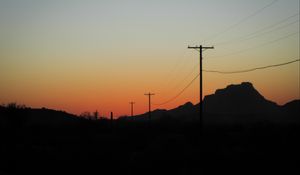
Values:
[(200, 49), (149, 95)]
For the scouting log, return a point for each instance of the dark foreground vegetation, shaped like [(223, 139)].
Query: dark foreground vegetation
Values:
[(162, 147)]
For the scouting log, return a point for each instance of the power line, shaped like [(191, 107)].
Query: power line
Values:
[(274, 24), (172, 80), (244, 38), (256, 46), (171, 75), (260, 30), (252, 69), (177, 95), (238, 23), (254, 35), (224, 72), (185, 77), (242, 20)]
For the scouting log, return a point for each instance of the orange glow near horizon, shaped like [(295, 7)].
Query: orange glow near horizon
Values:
[(81, 56), (75, 98)]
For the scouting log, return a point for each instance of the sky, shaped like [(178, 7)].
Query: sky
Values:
[(87, 55)]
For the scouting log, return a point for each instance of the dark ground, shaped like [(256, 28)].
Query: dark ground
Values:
[(97, 147)]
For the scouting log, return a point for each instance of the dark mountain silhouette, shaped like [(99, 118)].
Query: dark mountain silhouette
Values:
[(292, 110), (292, 107), (235, 103), (240, 103), (238, 99), (34, 117), (186, 112)]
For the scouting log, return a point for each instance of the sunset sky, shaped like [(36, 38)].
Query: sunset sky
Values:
[(87, 55)]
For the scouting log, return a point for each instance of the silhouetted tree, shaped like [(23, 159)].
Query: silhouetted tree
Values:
[(14, 105), (16, 115), (86, 115)]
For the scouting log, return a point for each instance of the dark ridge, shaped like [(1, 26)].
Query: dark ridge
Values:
[(237, 103), (35, 117), (238, 99)]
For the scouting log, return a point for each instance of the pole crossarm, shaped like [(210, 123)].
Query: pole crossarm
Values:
[(198, 47)]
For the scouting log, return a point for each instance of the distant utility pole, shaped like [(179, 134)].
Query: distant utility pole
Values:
[(111, 120), (200, 49), (149, 95), (131, 103), (111, 116)]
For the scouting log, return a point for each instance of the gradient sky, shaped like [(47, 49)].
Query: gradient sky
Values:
[(87, 55)]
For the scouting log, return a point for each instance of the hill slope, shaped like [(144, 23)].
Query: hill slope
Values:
[(235, 103), (13, 116)]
